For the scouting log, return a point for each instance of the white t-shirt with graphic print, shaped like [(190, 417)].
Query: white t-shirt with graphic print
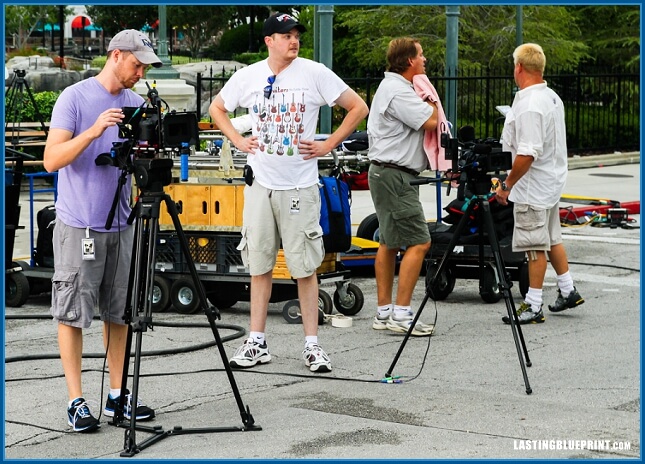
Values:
[(288, 116)]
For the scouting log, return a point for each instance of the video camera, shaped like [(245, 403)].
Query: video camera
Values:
[(153, 138), (475, 160)]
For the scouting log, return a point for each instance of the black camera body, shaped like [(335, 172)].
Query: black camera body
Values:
[(160, 131), (475, 160), (485, 157), (151, 138)]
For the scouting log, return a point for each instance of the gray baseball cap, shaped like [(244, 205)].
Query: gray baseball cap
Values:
[(138, 43)]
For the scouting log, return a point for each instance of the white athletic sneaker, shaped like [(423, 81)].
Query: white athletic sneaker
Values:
[(316, 359), (400, 323)]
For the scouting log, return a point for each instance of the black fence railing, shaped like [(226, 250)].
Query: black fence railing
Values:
[(602, 107)]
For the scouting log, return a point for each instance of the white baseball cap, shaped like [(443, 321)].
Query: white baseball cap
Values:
[(138, 43)]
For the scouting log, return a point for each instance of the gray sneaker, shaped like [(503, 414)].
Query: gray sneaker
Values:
[(526, 315), (571, 301), (380, 321), (401, 324)]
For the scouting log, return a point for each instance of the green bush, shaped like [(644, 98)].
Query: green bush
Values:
[(237, 40), (250, 58), (25, 108)]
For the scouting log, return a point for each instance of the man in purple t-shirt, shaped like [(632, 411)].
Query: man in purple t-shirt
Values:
[(91, 264)]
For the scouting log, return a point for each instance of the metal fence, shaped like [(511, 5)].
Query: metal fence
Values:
[(602, 107)]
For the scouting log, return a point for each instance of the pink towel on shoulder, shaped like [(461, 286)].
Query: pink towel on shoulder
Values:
[(432, 140)]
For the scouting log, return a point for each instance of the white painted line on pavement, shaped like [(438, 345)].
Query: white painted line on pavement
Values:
[(592, 238)]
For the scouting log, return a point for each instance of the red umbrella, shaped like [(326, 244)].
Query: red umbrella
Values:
[(80, 22)]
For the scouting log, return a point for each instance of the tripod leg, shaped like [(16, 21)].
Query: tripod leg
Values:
[(518, 337), (209, 310), (444, 262), (139, 303), (41, 120)]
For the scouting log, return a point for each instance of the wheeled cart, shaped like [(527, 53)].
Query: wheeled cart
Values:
[(470, 260), (23, 278), (211, 216), (464, 262)]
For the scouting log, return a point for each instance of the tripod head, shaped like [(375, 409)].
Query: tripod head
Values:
[(20, 73)]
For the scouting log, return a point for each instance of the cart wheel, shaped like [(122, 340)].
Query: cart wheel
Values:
[(352, 303), (16, 289), (524, 278), (291, 312), (444, 284), (24, 265), (184, 296), (489, 289), (325, 306), (224, 295), (368, 228), (160, 294)]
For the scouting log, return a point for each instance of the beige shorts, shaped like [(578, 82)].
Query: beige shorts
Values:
[(536, 229), (287, 218)]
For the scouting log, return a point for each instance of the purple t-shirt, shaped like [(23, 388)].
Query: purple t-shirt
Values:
[(86, 191)]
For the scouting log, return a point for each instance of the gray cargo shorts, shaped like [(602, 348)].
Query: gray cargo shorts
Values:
[(79, 286)]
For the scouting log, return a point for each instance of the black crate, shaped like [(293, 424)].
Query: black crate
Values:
[(210, 251)]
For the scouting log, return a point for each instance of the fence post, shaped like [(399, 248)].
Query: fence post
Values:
[(199, 96), (618, 111), (578, 107)]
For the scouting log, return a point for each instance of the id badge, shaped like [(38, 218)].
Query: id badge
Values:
[(295, 205), (87, 247)]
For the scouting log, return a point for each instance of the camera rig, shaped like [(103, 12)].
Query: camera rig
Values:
[(153, 137), (474, 161)]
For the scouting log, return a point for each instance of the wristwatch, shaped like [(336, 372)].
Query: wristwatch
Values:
[(505, 187)]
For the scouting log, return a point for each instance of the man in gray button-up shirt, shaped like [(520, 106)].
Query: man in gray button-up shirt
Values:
[(397, 121)]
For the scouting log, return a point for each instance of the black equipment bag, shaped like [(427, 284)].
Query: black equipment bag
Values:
[(46, 220)]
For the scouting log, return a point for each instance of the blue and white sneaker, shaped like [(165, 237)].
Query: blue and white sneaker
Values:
[(80, 417), (144, 413)]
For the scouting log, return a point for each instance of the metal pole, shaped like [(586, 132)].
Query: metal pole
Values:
[(166, 71), (316, 32), (326, 35), (452, 50), (61, 32), (518, 26)]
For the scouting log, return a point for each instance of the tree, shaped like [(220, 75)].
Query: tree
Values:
[(21, 20), (486, 34), (115, 18), (199, 24), (612, 32)]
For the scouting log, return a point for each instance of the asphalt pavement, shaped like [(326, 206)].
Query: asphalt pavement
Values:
[(463, 391)]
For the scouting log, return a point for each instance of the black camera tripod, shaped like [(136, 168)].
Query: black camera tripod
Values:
[(486, 227), (15, 97), (151, 176)]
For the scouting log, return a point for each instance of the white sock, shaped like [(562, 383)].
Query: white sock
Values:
[(534, 298), (258, 337), (565, 283), (384, 310), (400, 310), (115, 392), (311, 340)]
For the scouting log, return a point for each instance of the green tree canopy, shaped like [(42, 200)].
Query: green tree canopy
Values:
[(486, 34), (23, 19)]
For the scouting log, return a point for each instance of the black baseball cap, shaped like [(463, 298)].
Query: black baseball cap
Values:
[(281, 23)]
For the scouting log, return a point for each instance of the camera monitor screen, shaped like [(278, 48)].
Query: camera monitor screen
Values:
[(180, 127)]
